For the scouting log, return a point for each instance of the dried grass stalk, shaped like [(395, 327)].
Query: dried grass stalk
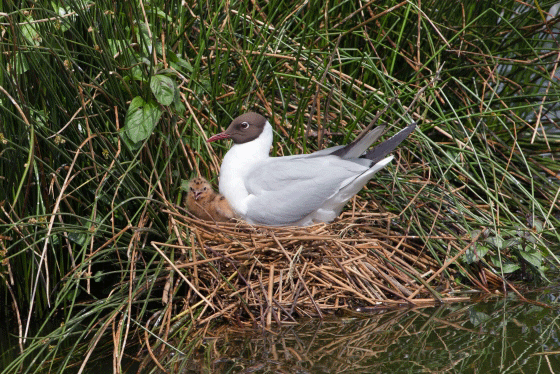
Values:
[(263, 274)]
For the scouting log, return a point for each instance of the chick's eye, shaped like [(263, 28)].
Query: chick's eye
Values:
[(244, 125)]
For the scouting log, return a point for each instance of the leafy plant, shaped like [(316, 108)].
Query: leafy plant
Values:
[(508, 251)]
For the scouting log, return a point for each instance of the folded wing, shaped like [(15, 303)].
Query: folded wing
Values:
[(285, 191)]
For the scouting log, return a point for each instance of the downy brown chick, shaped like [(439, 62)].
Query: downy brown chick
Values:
[(206, 204)]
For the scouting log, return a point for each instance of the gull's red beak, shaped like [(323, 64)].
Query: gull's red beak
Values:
[(219, 136)]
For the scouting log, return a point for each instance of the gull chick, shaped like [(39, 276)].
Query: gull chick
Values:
[(205, 204), (296, 190)]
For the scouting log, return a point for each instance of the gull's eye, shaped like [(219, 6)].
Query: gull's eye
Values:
[(244, 125)]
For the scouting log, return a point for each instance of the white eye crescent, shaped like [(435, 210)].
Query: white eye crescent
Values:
[(244, 125)]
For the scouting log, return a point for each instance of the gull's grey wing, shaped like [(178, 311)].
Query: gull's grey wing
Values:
[(285, 191)]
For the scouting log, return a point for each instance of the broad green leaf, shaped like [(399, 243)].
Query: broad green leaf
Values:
[(98, 276), (78, 237), (163, 89), (164, 15), (532, 257), (538, 225), (148, 44), (511, 242), (20, 63), (30, 33), (114, 46), (474, 233), (141, 119), (178, 106), (497, 241), (129, 143), (137, 73), (177, 62), (509, 267), (65, 23), (505, 266), (475, 253)]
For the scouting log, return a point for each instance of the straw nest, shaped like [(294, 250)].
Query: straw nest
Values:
[(257, 274)]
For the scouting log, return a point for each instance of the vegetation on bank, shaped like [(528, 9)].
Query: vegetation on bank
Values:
[(105, 108)]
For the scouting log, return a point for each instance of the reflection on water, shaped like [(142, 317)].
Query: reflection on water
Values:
[(494, 337)]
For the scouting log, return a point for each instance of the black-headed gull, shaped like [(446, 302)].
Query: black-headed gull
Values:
[(206, 204), (295, 190)]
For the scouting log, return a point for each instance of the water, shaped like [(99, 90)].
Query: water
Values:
[(497, 336)]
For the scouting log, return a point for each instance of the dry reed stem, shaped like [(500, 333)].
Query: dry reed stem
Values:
[(260, 275)]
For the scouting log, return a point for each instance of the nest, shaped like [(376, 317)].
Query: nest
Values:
[(260, 274)]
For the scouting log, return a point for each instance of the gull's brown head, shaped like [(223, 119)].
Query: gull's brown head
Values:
[(243, 129)]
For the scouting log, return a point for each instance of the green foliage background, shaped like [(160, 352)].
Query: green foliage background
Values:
[(105, 107)]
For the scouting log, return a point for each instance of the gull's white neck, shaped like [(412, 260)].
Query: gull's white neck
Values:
[(238, 163)]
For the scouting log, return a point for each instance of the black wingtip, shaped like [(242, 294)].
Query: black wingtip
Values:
[(383, 149), (349, 148)]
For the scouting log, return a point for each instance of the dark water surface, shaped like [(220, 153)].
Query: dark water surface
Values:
[(497, 336)]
